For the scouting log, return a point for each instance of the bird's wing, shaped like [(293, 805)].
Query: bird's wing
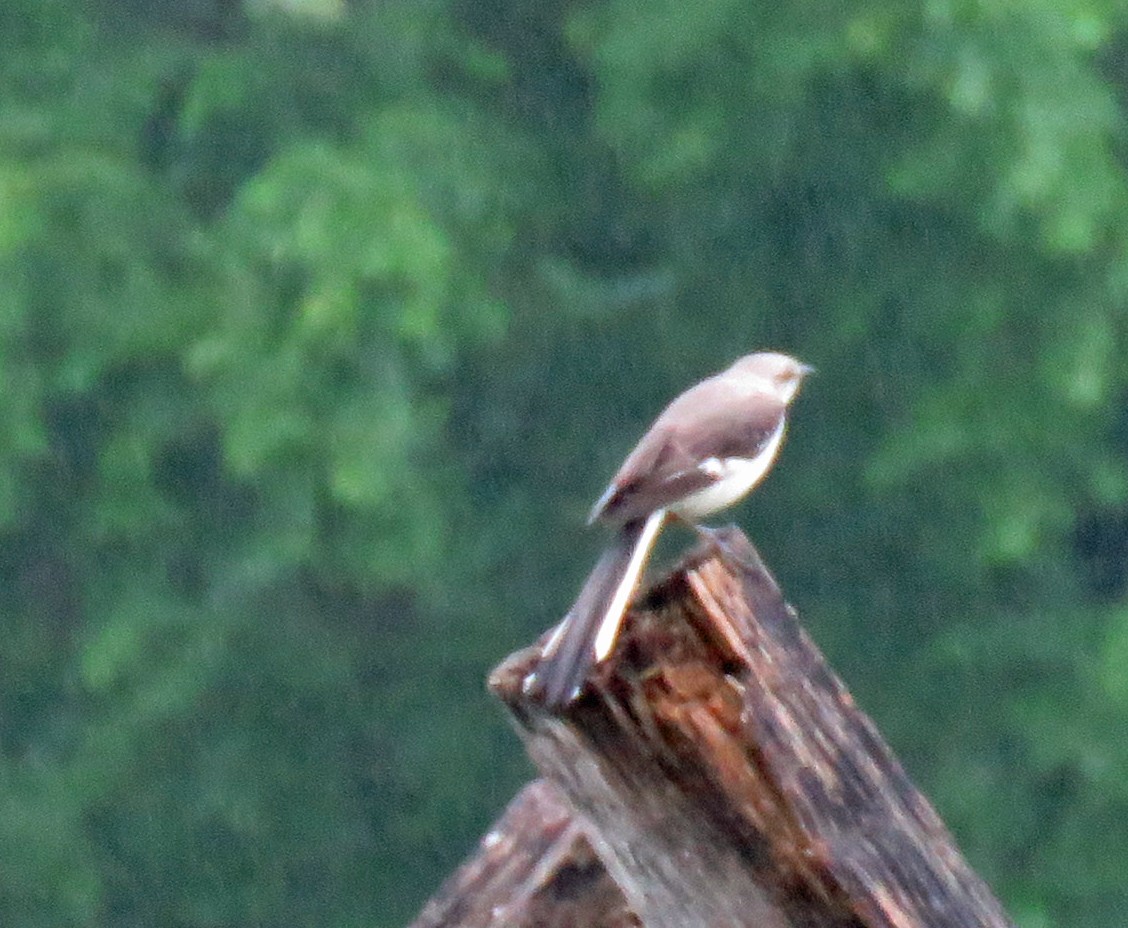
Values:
[(681, 453)]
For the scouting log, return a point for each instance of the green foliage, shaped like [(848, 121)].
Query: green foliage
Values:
[(321, 324)]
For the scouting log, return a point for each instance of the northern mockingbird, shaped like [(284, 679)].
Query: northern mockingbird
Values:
[(705, 451)]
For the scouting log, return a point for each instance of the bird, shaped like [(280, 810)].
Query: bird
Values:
[(707, 449)]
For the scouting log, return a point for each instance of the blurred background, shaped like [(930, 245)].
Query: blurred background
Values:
[(323, 322)]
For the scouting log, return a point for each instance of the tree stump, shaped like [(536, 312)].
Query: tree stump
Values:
[(723, 776)]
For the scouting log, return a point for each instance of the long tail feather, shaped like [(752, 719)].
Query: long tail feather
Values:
[(588, 631)]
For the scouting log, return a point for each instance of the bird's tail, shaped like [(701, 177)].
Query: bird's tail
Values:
[(588, 631)]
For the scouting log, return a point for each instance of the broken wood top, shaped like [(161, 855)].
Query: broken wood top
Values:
[(725, 777)]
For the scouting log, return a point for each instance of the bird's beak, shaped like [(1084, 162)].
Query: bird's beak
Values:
[(806, 370)]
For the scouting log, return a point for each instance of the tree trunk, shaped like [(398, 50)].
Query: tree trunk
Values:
[(724, 776)]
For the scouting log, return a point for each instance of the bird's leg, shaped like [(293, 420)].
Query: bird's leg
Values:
[(720, 540)]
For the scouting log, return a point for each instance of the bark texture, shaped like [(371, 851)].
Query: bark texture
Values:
[(722, 776), (534, 869)]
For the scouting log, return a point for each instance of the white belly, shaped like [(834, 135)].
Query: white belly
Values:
[(737, 478)]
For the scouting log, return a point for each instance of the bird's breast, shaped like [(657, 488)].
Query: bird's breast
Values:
[(734, 478)]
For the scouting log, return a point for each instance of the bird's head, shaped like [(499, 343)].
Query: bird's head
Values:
[(772, 372)]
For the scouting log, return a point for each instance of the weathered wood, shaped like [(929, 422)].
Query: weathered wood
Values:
[(534, 869), (725, 777)]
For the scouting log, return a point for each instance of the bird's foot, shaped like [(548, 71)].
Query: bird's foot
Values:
[(727, 542)]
